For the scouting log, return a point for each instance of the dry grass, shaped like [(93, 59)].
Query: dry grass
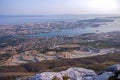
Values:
[(13, 75)]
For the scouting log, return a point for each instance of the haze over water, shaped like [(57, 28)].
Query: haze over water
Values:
[(21, 19)]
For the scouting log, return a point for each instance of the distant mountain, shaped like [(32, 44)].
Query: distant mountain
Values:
[(114, 17), (97, 20)]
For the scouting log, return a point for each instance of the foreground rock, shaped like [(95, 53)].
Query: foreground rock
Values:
[(110, 73), (71, 73)]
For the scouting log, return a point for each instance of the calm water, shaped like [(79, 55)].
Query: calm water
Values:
[(112, 26)]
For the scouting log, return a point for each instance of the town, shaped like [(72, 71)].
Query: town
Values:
[(35, 49), (44, 27)]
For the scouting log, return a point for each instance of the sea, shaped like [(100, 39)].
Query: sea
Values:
[(22, 19)]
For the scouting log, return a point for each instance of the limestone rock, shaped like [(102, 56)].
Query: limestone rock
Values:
[(72, 73)]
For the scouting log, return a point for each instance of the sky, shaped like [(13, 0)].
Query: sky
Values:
[(38, 7)]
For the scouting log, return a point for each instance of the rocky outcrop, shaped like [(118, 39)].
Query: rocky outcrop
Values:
[(71, 73), (110, 73), (113, 68), (104, 76)]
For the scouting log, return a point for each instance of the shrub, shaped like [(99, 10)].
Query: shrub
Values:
[(55, 78), (65, 77)]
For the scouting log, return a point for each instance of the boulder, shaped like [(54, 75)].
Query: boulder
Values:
[(104, 76), (113, 68), (71, 73)]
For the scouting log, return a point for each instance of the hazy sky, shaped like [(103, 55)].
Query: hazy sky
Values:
[(37, 7)]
